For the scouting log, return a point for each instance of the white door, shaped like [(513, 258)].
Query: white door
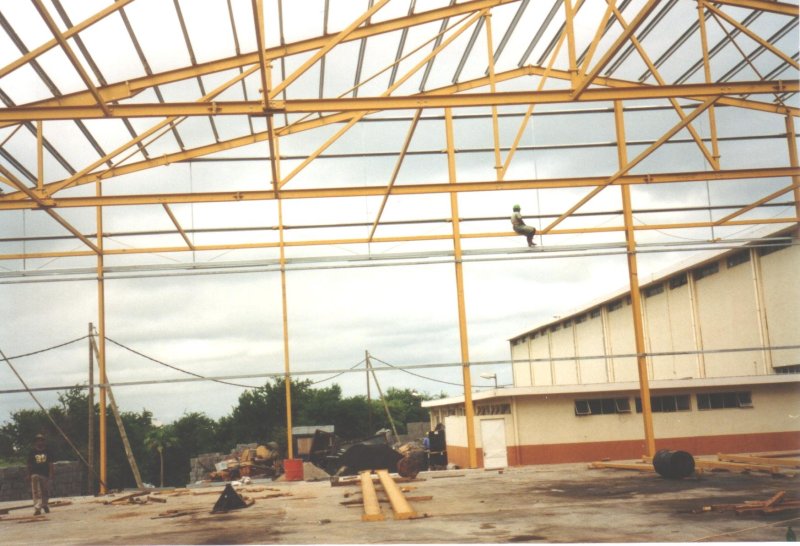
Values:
[(493, 438)]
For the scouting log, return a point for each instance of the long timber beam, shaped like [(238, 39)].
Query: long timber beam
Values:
[(366, 104), (402, 189)]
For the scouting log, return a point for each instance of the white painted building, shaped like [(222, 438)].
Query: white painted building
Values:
[(722, 337)]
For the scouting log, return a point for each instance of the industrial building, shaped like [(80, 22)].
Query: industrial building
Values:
[(722, 336)]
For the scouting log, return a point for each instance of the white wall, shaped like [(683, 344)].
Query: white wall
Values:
[(717, 312), (590, 342), (552, 420), (728, 320), (779, 271), (521, 370)]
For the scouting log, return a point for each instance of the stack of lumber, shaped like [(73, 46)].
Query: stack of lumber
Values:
[(401, 508)]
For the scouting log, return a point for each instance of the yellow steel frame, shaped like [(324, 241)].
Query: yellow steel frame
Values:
[(581, 83)]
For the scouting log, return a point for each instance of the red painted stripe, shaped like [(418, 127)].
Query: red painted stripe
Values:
[(633, 449)]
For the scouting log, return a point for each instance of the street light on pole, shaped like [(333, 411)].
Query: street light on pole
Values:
[(487, 375)]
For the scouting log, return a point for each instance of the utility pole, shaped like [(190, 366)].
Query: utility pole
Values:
[(383, 399), (90, 441), (369, 395)]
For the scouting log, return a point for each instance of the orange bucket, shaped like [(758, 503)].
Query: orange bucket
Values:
[(293, 469)]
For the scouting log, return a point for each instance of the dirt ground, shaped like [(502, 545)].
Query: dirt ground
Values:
[(551, 504)]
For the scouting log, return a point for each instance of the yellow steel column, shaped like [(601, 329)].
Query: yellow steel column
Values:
[(274, 162), (39, 156), (792, 141), (286, 368), (498, 163), (462, 309), (101, 343), (712, 118), (570, 31), (636, 302)]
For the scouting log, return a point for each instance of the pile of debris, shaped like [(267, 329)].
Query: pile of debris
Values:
[(247, 460)]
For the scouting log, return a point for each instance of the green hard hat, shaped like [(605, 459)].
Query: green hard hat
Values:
[(516, 207)]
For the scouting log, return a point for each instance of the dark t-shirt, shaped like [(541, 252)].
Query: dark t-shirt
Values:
[(39, 461)]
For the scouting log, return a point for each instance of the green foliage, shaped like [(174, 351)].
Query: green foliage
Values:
[(259, 416)]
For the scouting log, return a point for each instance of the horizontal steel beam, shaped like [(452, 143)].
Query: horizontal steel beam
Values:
[(362, 104), (397, 239), (405, 189), (762, 5)]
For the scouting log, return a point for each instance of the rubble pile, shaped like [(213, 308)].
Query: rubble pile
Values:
[(246, 460)]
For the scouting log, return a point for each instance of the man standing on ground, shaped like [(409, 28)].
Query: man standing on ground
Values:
[(520, 227), (40, 472)]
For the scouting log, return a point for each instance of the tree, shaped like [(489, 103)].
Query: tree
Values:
[(195, 433), (159, 439)]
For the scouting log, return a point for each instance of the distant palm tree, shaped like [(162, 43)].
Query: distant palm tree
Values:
[(159, 439)]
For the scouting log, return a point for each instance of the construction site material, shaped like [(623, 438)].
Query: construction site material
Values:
[(759, 463), (51, 504), (25, 519), (776, 503), (244, 461), (384, 499), (178, 513), (293, 469), (706, 464), (641, 467), (337, 482), (673, 465), (128, 497), (760, 460), (229, 500), (372, 509), (400, 506), (313, 473)]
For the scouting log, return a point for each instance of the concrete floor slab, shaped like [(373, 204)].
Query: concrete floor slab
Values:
[(551, 504)]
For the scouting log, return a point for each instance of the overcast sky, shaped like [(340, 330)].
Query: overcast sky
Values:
[(226, 324)]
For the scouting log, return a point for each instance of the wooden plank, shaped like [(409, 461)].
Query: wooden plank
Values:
[(400, 506), (641, 467), (25, 519), (127, 497), (775, 498), (4, 511), (768, 454), (357, 482), (372, 508), (355, 502), (735, 467), (768, 461), (178, 513)]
